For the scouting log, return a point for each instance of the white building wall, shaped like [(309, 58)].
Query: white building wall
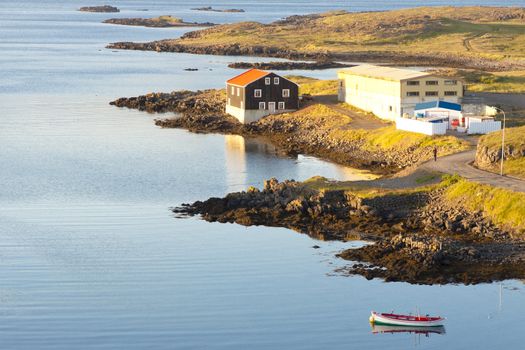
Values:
[(483, 127), (251, 115), (421, 127)]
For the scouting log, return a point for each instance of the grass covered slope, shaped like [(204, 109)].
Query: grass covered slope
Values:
[(313, 86), (490, 33), (488, 154), (503, 207), (325, 132)]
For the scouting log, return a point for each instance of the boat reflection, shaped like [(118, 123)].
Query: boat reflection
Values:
[(426, 331)]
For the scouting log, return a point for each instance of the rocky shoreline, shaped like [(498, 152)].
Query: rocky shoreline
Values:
[(157, 22), (289, 65), (211, 9), (394, 58), (104, 8), (418, 237), (203, 112)]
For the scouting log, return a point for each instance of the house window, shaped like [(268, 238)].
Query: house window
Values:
[(451, 93), (267, 81), (262, 105), (281, 106), (431, 93), (238, 91), (432, 82), (233, 90), (229, 101), (257, 93), (276, 81), (451, 82), (412, 82), (286, 92), (412, 93)]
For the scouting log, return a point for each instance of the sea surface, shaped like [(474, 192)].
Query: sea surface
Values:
[(90, 254)]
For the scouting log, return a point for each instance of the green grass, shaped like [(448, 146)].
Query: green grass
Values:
[(314, 87), (503, 207), (481, 81), (477, 32), (514, 137)]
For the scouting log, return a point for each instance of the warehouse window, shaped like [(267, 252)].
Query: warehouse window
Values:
[(412, 93), (432, 82), (257, 93), (451, 93), (431, 93), (451, 82), (413, 82)]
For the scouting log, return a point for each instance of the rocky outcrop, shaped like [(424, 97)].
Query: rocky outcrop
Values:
[(417, 238), (104, 8), (157, 22), (487, 157), (289, 65), (211, 9)]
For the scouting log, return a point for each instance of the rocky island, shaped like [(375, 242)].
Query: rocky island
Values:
[(157, 22), (211, 9), (104, 8)]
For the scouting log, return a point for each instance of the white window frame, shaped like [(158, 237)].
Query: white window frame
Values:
[(257, 93), (267, 81), (262, 105), (281, 106), (238, 91), (276, 81), (286, 92), (233, 90), (229, 101)]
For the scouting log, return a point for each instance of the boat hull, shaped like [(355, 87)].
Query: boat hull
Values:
[(380, 319)]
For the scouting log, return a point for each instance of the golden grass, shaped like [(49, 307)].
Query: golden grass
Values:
[(314, 87), (503, 207), (496, 33), (479, 81), (514, 137)]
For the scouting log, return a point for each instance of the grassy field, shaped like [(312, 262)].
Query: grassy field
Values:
[(480, 81), (480, 32), (314, 87)]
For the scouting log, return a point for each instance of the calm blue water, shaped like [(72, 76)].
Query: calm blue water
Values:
[(90, 256)]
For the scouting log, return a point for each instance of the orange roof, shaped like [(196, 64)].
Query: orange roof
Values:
[(247, 77)]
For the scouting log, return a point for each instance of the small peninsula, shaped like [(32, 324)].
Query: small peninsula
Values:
[(465, 37), (104, 8), (211, 9), (157, 22)]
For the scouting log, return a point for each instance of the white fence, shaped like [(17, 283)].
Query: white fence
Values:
[(421, 127), (483, 127)]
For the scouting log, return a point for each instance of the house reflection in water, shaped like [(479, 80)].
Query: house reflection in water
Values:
[(248, 158)]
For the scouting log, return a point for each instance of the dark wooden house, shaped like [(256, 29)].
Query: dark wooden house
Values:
[(256, 93)]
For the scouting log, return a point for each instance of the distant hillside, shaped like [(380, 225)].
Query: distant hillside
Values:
[(482, 37)]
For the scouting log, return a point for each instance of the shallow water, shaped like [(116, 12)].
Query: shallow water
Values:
[(90, 255)]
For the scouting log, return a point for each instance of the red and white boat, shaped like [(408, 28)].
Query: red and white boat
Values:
[(406, 320)]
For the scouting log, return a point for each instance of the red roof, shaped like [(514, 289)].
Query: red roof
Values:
[(247, 77)]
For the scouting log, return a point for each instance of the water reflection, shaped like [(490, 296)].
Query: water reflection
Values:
[(246, 156), (426, 331)]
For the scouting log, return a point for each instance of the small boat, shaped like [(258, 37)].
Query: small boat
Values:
[(406, 320)]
